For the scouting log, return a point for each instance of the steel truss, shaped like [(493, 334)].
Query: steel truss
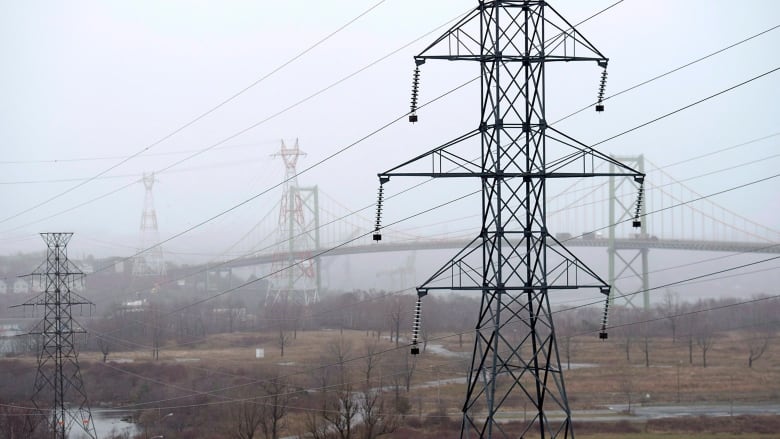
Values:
[(627, 259), (296, 275), (511, 263), (150, 262), (59, 375)]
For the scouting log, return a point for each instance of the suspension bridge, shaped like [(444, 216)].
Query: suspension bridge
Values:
[(308, 228)]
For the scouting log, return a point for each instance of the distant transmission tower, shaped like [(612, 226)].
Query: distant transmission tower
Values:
[(296, 274), (59, 376), (150, 262), (512, 262)]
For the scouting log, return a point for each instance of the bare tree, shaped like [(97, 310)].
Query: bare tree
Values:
[(340, 405), (274, 407), (339, 352), (279, 313), (425, 335), (105, 347), (314, 423), (646, 330), (408, 366), (705, 338), (565, 330), (395, 320), (627, 384), (246, 417), (341, 410), (670, 308), (371, 360), (157, 332), (376, 420), (758, 346), (16, 423), (283, 340)]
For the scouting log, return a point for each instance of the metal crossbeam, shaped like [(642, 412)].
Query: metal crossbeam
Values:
[(511, 262), (59, 393)]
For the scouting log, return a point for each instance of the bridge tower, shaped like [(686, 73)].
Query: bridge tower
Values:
[(511, 262), (59, 375), (630, 259), (150, 262), (296, 271)]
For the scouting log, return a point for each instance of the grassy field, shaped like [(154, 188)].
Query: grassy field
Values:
[(601, 376)]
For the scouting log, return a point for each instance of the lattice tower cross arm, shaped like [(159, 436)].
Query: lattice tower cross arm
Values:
[(507, 262)]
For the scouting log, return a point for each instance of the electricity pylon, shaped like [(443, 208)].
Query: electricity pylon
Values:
[(59, 375), (511, 262), (150, 262), (296, 273)]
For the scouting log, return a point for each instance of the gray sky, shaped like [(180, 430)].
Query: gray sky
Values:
[(102, 80)]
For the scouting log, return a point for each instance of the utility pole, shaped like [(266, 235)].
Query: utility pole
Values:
[(511, 262), (59, 375)]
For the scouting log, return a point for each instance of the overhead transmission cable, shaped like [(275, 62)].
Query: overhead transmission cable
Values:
[(246, 129), (437, 98), (338, 152), (229, 290), (401, 117), (349, 360), (733, 87), (196, 119), (676, 69), (349, 146), (120, 157), (728, 148), (623, 133)]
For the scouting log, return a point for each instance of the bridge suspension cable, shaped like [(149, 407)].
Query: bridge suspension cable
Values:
[(193, 121)]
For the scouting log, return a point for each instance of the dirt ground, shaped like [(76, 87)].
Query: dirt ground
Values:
[(600, 376)]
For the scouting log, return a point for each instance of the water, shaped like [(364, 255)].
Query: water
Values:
[(107, 424)]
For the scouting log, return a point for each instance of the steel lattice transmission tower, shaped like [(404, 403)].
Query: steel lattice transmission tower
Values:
[(511, 262), (59, 376), (150, 261), (296, 273)]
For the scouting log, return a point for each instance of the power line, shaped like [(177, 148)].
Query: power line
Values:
[(679, 282), (728, 148), (589, 304), (195, 120), (120, 157), (656, 211), (186, 231), (307, 169), (208, 167), (688, 313), (463, 85), (195, 393), (252, 126), (671, 71), (311, 257), (687, 106), (567, 309), (278, 113)]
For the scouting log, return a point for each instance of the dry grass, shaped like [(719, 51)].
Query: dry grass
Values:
[(726, 378)]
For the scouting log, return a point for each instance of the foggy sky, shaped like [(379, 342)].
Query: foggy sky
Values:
[(103, 80)]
